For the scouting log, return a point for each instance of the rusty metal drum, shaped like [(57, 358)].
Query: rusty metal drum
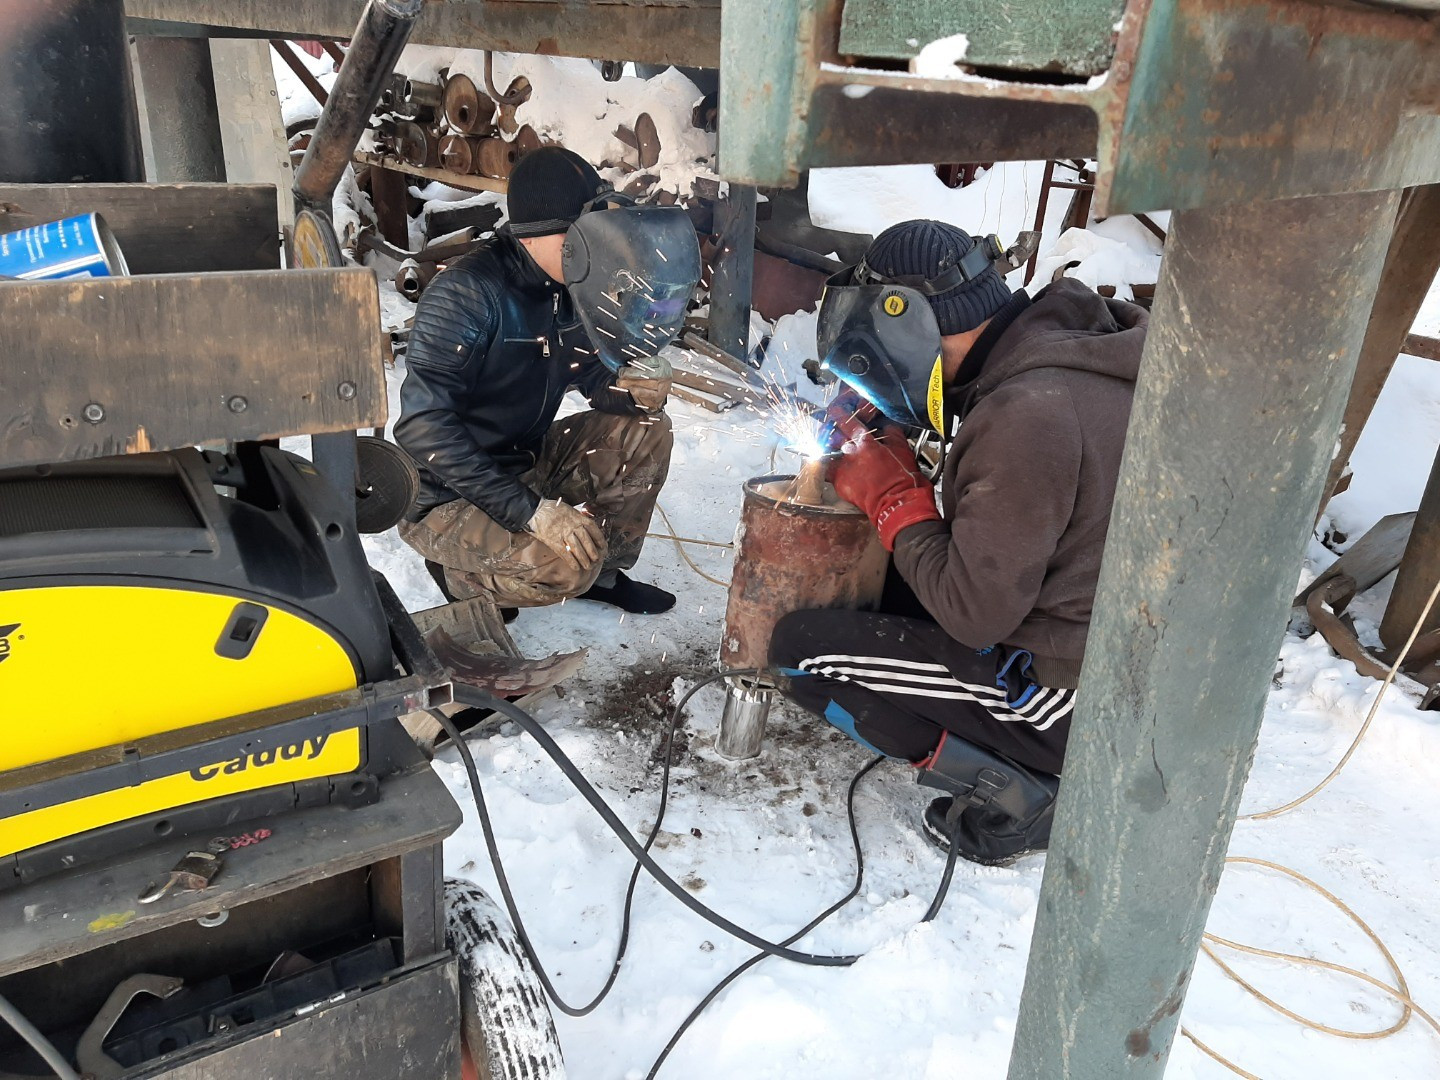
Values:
[(792, 557)]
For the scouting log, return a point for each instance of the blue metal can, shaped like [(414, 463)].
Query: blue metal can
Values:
[(76, 247)]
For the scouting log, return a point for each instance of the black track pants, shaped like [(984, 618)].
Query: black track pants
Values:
[(893, 683)]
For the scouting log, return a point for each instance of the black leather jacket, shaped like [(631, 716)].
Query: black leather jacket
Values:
[(495, 346)]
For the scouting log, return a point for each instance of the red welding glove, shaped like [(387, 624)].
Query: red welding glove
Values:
[(878, 473)]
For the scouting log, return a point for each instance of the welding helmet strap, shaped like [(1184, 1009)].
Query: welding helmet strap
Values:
[(985, 252)]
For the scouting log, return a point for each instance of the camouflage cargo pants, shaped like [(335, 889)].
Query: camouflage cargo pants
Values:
[(612, 465)]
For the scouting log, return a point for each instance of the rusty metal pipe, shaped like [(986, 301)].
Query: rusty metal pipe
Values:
[(412, 277), (790, 556), (515, 95), (295, 64), (383, 29), (422, 94)]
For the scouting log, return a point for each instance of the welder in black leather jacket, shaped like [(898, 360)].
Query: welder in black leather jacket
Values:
[(513, 503)]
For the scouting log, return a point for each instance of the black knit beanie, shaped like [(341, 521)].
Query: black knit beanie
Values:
[(549, 187), (928, 249)]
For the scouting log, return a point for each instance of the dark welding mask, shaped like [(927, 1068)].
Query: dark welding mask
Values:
[(878, 333), (631, 272), (883, 340)]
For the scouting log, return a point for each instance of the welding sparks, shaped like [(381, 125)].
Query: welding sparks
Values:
[(794, 421)]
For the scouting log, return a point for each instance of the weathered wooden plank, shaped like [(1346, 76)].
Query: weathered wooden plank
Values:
[(162, 228), (126, 365), (1410, 265), (683, 32), (463, 181)]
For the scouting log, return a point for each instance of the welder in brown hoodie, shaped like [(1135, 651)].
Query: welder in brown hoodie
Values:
[(970, 668)]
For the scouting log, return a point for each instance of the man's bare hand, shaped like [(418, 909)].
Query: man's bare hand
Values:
[(572, 534)]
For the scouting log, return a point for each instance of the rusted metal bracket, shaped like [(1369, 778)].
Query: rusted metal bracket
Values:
[(1322, 605)]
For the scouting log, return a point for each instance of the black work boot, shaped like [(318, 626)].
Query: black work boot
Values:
[(633, 596), (998, 810)]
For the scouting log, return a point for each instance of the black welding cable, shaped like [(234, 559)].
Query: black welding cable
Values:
[(469, 695), (719, 987), (627, 908), (482, 699)]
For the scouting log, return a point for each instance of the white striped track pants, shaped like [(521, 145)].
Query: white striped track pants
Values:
[(893, 682)]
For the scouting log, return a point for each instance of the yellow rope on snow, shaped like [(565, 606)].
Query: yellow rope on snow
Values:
[(1400, 992), (1369, 717), (680, 547)]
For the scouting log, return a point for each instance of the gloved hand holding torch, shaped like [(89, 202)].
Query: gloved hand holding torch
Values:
[(877, 470)]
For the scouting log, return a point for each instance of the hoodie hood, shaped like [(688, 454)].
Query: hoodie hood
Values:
[(1068, 325)]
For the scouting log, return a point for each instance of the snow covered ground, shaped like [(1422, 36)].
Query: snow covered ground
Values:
[(766, 842)]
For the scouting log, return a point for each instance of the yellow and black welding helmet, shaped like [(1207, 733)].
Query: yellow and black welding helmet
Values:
[(883, 340)]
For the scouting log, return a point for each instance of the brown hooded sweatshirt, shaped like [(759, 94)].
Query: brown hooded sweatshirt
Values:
[(1029, 480)]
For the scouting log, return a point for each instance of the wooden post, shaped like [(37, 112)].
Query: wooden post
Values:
[(730, 283), (390, 194), (1258, 319), (250, 123), (1041, 207), (1410, 266)]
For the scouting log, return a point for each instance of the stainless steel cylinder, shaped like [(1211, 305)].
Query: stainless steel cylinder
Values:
[(742, 723)]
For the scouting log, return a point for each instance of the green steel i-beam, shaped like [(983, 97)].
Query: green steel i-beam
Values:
[(1071, 37), (1258, 319), (768, 64)]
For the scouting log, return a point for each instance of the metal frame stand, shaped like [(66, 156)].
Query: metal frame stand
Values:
[(1232, 430), (730, 284)]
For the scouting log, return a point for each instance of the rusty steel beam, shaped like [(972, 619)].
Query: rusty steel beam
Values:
[(1236, 100), (1427, 348), (890, 126), (681, 32), (295, 64), (1418, 573), (732, 281)]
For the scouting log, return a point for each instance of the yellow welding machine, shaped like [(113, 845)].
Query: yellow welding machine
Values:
[(144, 598)]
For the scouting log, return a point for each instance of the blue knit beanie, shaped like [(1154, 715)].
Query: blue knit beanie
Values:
[(928, 249)]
